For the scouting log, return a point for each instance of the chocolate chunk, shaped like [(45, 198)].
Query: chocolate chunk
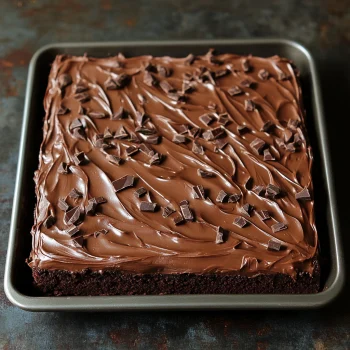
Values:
[(242, 129), (189, 59), (240, 221), (122, 80), (297, 140), (119, 114), (288, 135), (199, 192), (280, 143), (63, 168), (72, 216), (263, 74), (99, 200), (220, 232), (268, 126), (166, 87), (206, 119), (282, 75), (205, 174), (78, 242), (263, 214), (131, 150), (76, 123), (194, 132), (152, 139), (74, 193), (290, 147), (223, 119), (187, 212), (140, 192), (64, 80), (107, 134), (123, 183), (259, 190), (249, 105), (102, 231), (197, 148), (79, 158), (145, 131), (149, 79), (164, 71), (133, 137), (272, 191), (156, 159), (167, 211), (179, 139), (247, 83), (80, 87), (234, 198), (147, 206), (183, 129), (178, 220), (188, 86), (221, 73), (245, 65), (73, 231), (90, 208), (82, 97), (50, 221), (62, 110), (222, 196), (234, 90), (140, 118), (268, 155), (247, 209), (79, 133), (114, 159), (293, 124), (62, 204), (121, 133), (213, 134), (303, 195), (98, 140), (220, 144), (258, 145), (274, 245), (280, 226), (206, 76), (184, 202), (177, 96), (146, 150)]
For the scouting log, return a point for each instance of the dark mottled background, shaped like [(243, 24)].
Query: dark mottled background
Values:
[(323, 26)]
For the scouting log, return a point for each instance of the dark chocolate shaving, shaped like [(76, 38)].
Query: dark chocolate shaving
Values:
[(194, 132), (140, 118), (107, 134), (123, 183), (213, 134), (78, 242), (164, 71), (221, 73), (220, 144), (247, 83), (280, 226), (121, 133), (288, 134), (245, 65), (268, 126), (184, 202), (145, 131), (140, 192), (189, 59), (146, 150), (152, 139), (183, 129), (242, 129), (79, 133), (290, 147), (293, 124), (303, 195), (80, 87)]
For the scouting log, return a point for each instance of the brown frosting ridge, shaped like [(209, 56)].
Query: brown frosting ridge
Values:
[(145, 241)]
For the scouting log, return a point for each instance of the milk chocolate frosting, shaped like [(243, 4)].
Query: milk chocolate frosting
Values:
[(216, 147)]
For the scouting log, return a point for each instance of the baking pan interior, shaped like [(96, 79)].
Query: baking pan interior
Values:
[(20, 277)]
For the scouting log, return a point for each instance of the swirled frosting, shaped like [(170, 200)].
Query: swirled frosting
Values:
[(251, 140)]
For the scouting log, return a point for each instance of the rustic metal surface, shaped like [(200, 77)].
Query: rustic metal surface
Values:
[(323, 26)]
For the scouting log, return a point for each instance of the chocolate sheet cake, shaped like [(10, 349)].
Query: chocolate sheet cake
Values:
[(162, 175)]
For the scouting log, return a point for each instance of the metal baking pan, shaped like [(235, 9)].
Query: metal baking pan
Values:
[(18, 279)]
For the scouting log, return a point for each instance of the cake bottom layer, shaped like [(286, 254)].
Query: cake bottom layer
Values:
[(113, 282)]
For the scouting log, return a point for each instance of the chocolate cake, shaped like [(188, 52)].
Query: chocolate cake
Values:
[(162, 175)]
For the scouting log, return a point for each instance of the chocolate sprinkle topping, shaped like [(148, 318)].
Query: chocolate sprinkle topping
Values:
[(63, 168), (199, 192), (220, 232), (240, 221), (205, 174), (140, 192), (147, 206), (274, 245), (247, 209), (280, 226), (263, 214), (222, 196), (62, 204), (249, 105), (303, 195), (123, 183), (50, 221), (167, 211), (235, 90), (258, 145)]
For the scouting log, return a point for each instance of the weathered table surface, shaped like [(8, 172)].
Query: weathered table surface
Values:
[(323, 26)]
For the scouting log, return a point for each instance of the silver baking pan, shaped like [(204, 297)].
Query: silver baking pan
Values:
[(18, 279)]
